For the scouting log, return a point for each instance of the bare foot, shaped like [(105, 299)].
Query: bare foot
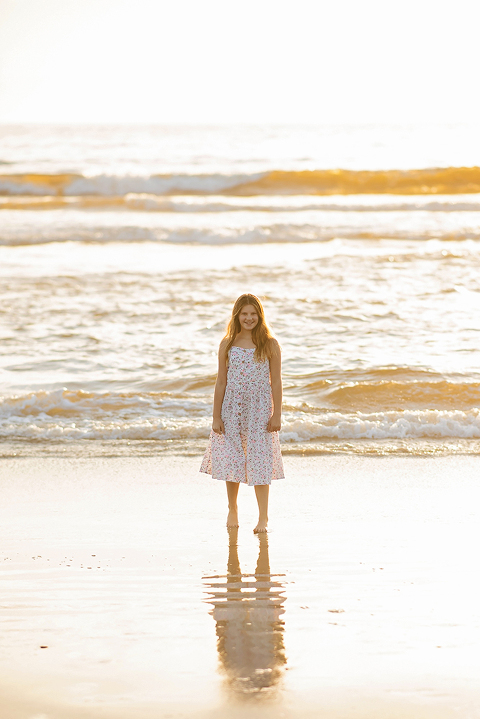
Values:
[(261, 526), (232, 518)]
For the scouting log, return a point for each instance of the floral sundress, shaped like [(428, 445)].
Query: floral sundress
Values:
[(246, 452)]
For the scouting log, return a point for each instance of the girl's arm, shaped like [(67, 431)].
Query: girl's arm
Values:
[(275, 421), (220, 385)]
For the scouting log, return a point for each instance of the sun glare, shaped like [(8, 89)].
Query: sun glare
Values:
[(147, 61)]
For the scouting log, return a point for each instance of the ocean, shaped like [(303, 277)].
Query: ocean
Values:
[(123, 248)]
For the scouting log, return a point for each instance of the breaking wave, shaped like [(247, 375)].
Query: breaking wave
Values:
[(434, 181), (394, 394), (36, 234), (406, 424), (72, 415)]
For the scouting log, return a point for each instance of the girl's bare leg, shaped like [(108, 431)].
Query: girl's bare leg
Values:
[(261, 492), (232, 493)]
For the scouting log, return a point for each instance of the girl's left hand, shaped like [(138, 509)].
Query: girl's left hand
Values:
[(274, 424)]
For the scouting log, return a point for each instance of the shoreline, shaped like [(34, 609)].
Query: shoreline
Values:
[(188, 448)]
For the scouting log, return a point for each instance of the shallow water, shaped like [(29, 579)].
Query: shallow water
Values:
[(121, 254)]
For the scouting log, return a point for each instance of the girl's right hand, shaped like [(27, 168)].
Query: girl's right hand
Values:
[(218, 426)]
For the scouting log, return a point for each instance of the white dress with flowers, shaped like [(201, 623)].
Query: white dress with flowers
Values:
[(246, 452)]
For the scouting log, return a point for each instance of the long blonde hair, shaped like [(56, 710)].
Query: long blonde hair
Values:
[(262, 335)]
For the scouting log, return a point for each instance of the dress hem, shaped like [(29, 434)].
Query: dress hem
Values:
[(241, 481)]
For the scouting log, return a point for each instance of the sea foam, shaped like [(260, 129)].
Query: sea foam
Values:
[(73, 415)]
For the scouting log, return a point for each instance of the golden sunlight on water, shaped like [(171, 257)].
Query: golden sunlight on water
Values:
[(121, 255)]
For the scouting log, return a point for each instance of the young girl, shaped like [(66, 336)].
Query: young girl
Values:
[(247, 406)]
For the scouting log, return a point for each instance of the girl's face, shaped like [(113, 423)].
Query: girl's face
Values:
[(248, 317)]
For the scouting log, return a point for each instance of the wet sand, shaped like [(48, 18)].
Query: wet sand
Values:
[(362, 601)]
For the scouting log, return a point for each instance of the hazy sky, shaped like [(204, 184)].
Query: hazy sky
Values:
[(239, 61)]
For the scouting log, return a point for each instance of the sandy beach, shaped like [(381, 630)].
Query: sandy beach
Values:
[(158, 161), (362, 601)]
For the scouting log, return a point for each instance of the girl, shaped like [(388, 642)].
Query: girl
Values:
[(247, 407)]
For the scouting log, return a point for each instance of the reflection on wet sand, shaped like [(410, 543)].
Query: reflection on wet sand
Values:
[(247, 609)]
